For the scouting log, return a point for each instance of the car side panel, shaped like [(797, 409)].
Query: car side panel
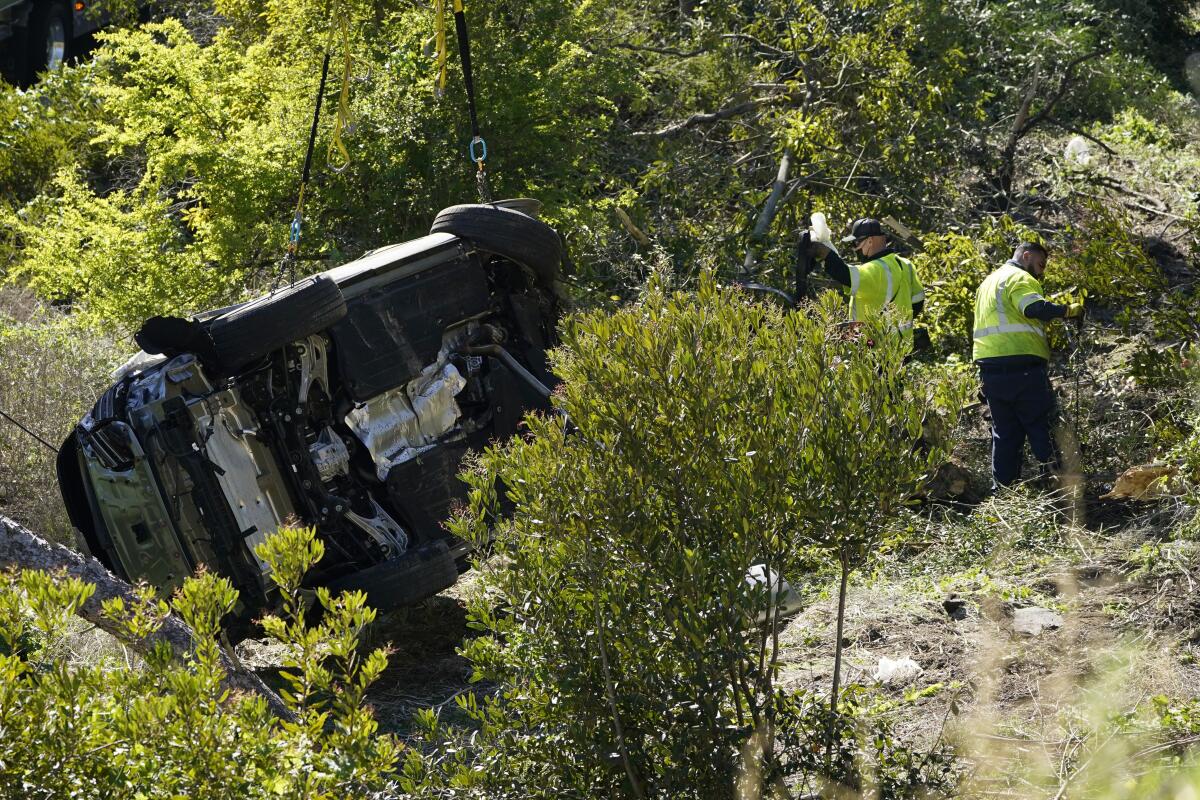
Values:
[(390, 334), (142, 535)]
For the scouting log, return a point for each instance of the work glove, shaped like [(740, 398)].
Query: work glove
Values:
[(1074, 310)]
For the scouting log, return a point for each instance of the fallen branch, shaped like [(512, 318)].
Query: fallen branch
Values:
[(628, 223), (23, 549), (731, 109)]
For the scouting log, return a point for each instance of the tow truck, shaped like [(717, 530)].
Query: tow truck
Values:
[(40, 35)]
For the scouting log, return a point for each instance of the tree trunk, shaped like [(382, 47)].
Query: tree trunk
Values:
[(26, 550), (1008, 156), (837, 660)]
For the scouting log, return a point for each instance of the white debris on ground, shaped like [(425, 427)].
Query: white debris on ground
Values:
[(898, 671), (1078, 152), (782, 592)]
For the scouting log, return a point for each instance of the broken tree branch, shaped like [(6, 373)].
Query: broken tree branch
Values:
[(735, 107), (23, 549), (1063, 85), (767, 215)]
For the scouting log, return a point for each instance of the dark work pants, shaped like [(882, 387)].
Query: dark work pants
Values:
[(1022, 406)]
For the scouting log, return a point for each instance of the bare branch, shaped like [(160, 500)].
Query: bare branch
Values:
[(663, 51), (733, 108), (1063, 85), (760, 44)]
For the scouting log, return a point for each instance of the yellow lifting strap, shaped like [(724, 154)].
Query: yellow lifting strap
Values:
[(443, 54), (341, 120)]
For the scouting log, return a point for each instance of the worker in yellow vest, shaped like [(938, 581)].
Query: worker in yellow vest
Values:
[(1012, 353), (884, 278)]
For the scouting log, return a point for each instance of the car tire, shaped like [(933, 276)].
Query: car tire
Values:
[(254, 329), (418, 574), (508, 233), (48, 38)]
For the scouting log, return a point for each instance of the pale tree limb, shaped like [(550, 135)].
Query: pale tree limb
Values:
[(767, 215), (735, 107), (633, 229), (23, 549), (1009, 153)]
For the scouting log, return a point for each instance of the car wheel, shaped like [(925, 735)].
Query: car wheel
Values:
[(506, 232), (49, 38), (252, 330)]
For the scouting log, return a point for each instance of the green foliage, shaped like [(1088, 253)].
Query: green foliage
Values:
[(168, 729), (42, 129), (699, 434), (1103, 259), (203, 145), (869, 758)]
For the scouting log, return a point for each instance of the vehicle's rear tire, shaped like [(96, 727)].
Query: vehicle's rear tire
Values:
[(252, 330), (508, 233), (48, 38)]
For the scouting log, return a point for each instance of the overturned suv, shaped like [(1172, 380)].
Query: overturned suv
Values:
[(345, 401)]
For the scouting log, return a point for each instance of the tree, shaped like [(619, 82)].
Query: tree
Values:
[(690, 444), (866, 454)]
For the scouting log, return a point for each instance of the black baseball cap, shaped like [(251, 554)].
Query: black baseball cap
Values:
[(862, 228)]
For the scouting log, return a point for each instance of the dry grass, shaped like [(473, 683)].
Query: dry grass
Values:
[(51, 372)]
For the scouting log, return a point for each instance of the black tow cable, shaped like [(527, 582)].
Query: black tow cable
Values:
[(47, 445), (478, 147), (288, 265)]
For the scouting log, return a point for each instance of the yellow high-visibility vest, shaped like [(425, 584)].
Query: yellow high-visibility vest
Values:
[(889, 279), (1001, 327)]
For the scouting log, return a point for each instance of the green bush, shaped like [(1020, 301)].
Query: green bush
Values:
[(169, 729), (202, 146), (698, 434)]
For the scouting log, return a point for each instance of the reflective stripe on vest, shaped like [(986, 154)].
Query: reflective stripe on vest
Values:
[(1010, 327), (855, 280), (1000, 326)]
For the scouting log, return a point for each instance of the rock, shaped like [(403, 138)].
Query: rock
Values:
[(895, 672), (955, 607), (1033, 620)]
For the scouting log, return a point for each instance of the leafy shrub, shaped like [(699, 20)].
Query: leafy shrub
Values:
[(869, 759), (203, 146), (699, 434), (169, 729)]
